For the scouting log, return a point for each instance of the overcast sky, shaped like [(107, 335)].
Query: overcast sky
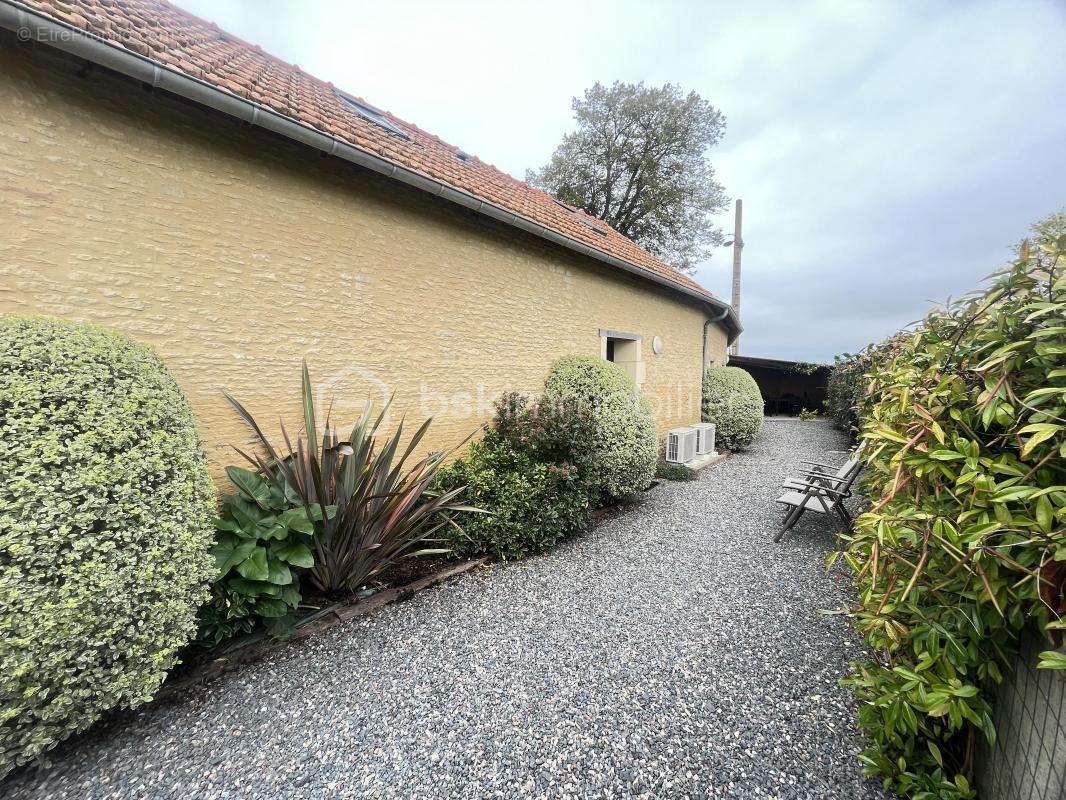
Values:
[(888, 153)]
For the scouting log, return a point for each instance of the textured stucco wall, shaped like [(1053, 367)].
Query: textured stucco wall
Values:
[(237, 254)]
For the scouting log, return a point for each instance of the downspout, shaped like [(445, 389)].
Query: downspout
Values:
[(703, 361), (707, 323)]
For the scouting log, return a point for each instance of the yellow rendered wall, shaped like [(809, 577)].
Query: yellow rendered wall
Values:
[(236, 255)]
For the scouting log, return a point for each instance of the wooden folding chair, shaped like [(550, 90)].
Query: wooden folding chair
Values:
[(821, 490), (839, 472)]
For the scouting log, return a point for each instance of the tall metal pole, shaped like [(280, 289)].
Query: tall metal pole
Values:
[(738, 245)]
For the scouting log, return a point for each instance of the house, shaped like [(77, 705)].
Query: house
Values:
[(787, 387), (166, 178)]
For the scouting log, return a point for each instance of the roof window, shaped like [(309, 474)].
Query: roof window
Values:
[(371, 114), (579, 217)]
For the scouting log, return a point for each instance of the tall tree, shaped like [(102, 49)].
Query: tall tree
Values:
[(638, 161)]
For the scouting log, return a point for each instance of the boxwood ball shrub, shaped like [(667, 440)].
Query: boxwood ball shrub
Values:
[(733, 402), (624, 447), (106, 510)]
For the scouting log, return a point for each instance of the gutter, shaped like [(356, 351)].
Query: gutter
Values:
[(30, 24)]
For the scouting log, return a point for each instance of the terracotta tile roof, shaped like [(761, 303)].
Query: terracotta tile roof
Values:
[(176, 39)]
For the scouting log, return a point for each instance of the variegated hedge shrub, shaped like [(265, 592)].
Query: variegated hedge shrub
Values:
[(106, 510), (733, 402), (623, 451)]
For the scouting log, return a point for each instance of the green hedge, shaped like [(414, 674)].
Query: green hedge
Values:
[(669, 471), (850, 379), (733, 402), (964, 544), (846, 387), (622, 455), (106, 511)]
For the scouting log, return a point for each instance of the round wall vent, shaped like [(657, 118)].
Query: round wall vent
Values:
[(657, 345)]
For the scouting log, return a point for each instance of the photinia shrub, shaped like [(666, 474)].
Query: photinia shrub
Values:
[(531, 504), (964, 544), (526, 473)]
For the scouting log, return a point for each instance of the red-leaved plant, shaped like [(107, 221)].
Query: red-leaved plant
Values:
[(370, 509)]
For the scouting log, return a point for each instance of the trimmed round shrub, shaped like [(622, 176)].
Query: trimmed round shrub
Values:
[(733, 402), (531, 504), (624, 449), (106, 511)]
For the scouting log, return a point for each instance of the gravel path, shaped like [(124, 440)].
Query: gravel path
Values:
[(675, 651)]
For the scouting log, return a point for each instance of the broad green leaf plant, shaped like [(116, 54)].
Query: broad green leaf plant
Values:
[(963, 546), (264, 538)]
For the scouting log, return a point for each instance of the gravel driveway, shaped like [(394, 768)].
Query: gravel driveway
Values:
[(675, 651)]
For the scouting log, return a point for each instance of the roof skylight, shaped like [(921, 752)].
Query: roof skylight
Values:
[(371, 114), (579, 217)]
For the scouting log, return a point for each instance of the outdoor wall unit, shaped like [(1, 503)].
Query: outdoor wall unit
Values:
[(704, 438), (681, 445)]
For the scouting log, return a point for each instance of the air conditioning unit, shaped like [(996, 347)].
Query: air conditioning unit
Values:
[(681, 445), (704, 438)]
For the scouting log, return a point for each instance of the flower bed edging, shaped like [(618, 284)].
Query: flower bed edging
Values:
[(330, 618)]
